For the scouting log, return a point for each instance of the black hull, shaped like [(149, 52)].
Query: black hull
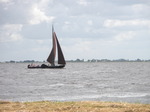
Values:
[(46, 67)]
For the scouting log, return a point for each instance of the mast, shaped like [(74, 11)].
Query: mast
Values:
[(51, 58)]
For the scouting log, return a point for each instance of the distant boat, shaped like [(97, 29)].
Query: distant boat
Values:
[(52, 55)]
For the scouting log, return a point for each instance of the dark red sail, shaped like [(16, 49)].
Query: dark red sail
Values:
[(61, 59), (51, 58)]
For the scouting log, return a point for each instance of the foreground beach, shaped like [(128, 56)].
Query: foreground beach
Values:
[(83, 106)]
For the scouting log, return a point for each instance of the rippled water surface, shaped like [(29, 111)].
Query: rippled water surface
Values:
[(109, 81)]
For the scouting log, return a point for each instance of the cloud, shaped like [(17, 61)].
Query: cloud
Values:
[(10, 32), (90, 22), (82, 2), (14, 12), (25, 12), (4, 1), (140, 8), (38, 16), (125, 36), (12, 27), (119, 23), (40, 41), (75, 46), (81, 25)]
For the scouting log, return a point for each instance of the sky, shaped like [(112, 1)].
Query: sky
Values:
[(86, 29)]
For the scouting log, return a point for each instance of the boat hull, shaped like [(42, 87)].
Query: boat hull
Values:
[(46, 67)]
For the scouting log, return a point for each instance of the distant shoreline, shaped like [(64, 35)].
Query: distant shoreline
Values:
[(80, 60)]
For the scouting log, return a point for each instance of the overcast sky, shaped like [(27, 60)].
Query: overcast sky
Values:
[(86, 29)]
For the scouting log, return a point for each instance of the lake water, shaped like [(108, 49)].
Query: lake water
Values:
[(102, 81)]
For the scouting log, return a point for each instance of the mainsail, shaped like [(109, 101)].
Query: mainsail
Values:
[(51, 58), (61, 59)]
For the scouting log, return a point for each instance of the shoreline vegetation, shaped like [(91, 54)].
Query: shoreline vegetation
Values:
[(79, 106), (81, 60)]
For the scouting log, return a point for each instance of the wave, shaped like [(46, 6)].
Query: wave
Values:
[(126, 95), (116, 95)]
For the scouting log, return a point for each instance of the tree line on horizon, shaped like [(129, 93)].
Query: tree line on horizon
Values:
[(82, 60)]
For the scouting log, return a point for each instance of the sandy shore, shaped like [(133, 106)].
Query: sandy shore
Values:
[(83, 106)]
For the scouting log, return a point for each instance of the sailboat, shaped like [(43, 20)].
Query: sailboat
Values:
[(52, 55)]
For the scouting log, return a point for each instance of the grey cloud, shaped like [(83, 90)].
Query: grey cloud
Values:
[(81, 22), (73, 13), (14, 14), (39, 31)]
